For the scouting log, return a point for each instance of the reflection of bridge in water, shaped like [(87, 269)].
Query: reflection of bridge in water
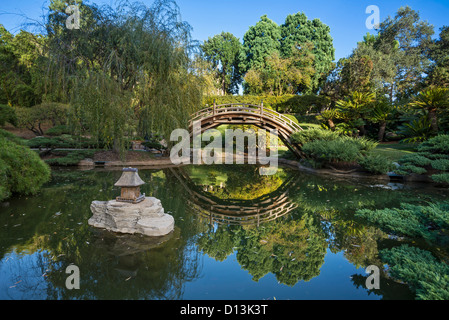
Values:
[(266, 208)]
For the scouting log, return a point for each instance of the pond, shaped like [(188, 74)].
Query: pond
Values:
[(238, 235)]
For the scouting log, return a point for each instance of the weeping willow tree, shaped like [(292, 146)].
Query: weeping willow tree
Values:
[(126, 69)]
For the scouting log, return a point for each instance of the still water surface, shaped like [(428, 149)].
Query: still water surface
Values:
[(238, 235)]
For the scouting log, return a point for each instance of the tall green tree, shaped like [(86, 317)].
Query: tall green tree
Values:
[(439, 54), (297, 29), (18, 58), (405, 39), (283, 75), (259, 42), (223, 51)]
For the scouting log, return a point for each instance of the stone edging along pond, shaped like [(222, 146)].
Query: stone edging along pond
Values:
[(165, 162)]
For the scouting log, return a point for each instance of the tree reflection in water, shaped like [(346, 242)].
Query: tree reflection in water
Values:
[(282, 225)]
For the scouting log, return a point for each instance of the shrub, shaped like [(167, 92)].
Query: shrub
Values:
[(432, 155), (363, 144), (314, 134), (58, 130), (438, 144), (323, 147), (410, 220), (52, 143), (441, 177), (424, 273), (440, 164), (21, 170), (332, 151), (415, 159), (376, 164), (71, 158), (291, 117), (7, 114), (12, 137), (409, 168)]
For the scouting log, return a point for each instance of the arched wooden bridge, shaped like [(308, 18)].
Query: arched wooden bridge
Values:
[(266, 208), (248, 114)]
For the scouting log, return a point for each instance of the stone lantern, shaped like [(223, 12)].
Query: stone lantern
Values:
[(130, 183), (132, 212)]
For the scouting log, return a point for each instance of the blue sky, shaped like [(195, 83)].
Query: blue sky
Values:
[(346, 18)]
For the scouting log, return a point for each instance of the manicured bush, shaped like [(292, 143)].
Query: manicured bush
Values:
[(363, 144), (376, 164), (314, 134), (324, 147), (432, 155), (440, 164), (21, 170), (51, 143), (58, 130), (71, 158), (409, 168), (332, 151), (438, 144), (441, 177)]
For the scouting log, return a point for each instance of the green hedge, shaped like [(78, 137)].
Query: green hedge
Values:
[(284, 104)]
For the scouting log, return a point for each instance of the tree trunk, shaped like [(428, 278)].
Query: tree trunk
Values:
[(433, 120), (382, 128)]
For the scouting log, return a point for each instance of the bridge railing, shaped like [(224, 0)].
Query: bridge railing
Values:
[(251, 109)]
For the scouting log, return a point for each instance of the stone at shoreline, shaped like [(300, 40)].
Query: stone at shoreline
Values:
[(146, 217), (86, 163)]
